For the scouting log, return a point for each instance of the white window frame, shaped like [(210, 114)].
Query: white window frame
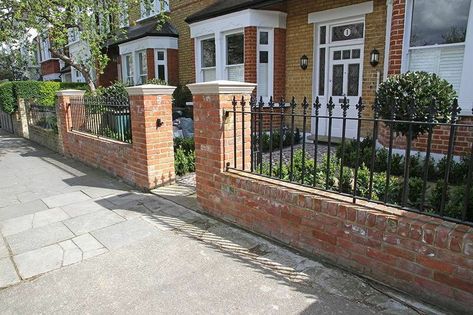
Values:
[(138, 73), (466, 85), (270, 48), (45, 54), (161, 62), (126, 67), (198, 57), (123, 15), (73, 36), (226, 66)]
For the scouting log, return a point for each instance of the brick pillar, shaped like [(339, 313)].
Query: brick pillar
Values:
[(397, 37), (250, 54), (214, 137), (63, 115), (21, 125), (152, 132)]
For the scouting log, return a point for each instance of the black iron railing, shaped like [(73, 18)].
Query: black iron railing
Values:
[(102, 116), (362, 156), (42, 116)]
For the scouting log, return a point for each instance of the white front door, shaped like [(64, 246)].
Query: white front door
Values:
[(338, 71), (345, 79)]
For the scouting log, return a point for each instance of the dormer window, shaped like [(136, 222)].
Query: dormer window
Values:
[(153, 8)]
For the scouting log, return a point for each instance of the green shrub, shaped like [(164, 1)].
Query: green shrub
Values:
[(415, 190), (181, 96), (454, 203), (73, 86), (7, 97), (458, 171), (378, 187), (414, 92), (184, 155), (156, 81), (116, 91)]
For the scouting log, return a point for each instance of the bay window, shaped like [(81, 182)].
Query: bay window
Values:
[(128, 73), (161, 64), (234, 67), (436, 37), (142, 67), (208, 61)]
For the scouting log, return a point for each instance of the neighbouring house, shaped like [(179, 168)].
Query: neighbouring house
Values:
[(325, 48), (50, 66)]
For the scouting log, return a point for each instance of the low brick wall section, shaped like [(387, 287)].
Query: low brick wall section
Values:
[(440, 138), (424, 256), (148, 161), (45, 137), (415, 253)]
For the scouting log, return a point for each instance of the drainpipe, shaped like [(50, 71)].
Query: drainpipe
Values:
[(387, 46)]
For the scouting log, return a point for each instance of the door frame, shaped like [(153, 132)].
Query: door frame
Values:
[(328, 45)]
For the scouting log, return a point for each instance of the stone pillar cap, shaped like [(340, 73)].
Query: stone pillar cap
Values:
[(150, 89), (70, 93), (221, 87)]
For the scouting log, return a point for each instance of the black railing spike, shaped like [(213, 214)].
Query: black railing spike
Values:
[(360, 106), (317, 105), (271, 103), (330, 106), (455, 110), (282, 102), (261, 103), (293, 103), (345, 106), (305, 104), (243, 102), (234, 102)]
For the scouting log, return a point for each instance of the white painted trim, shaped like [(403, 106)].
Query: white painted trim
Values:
[(148, 42), (161, 62), (341, 13), (387, 43), (407, 36), (70, 93), (241, 19), (150, 89), (221, 87), (270, 49)]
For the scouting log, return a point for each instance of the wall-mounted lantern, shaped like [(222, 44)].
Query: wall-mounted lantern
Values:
[(304, 62), (374, 57)]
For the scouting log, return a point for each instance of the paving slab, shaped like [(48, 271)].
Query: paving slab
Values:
[(72, 253), (85, 207), (87, 242), (39, 237), (124, 233), (65, 199), (3, 248), (39, 261), (92, 221), (49, 216), (16, 225), (22, 209), (8, 274)]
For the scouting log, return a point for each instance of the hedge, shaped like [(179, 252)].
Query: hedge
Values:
[(44, 92)]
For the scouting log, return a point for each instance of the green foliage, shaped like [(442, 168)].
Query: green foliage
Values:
[(413, 92), (457, 173), (156, 81), (454, 203), (181, 95), (184, 155), (7, 98), (117, 91), (276, 140), (415, 190)]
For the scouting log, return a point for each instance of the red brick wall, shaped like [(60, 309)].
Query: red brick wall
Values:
[(397, 37), (279, 86), (147, 162), (440, 139), (250, 54), (173, 66), (150, 63), (50, 66), (110, 73), (419, 254)]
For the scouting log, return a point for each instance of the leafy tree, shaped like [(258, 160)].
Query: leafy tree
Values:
[(410, 96), (96, 21), (13, 65)]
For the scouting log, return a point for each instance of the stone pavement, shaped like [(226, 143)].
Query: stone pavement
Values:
[(74, 240)]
